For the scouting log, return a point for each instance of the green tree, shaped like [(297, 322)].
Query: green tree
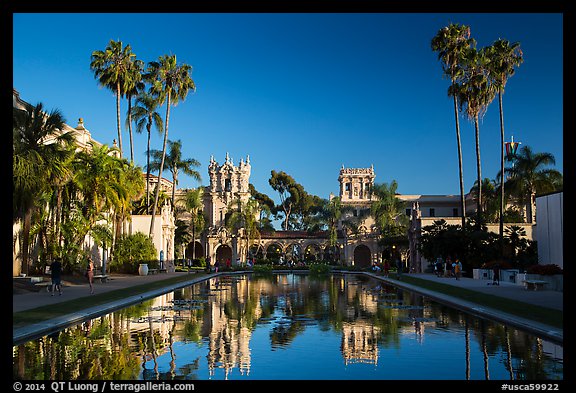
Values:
[(175, 163), (171, 83), (451, 42), (490, 200), (131, 250), (144, 114), (388, 211), (290, 194), (35, 162), (475, 93), (133, 85), (503, 57), (194, 205), (242, 219), (529, 176), (112, 69)]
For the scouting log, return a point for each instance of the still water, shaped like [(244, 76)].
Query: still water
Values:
[(289, 326)]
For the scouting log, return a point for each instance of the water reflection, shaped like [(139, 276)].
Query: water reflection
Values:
[(288, 326)]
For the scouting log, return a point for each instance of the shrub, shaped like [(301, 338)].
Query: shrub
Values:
[(319, 268), (263, 269), (132, 250), (546, 270)]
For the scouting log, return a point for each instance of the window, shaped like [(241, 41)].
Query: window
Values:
[(408, 211), (355, 213), (432, 212), (455, 212), (347, 186), (227, 185)]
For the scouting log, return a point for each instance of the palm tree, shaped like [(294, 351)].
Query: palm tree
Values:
[(144, 114), (112, 68), (195, 206), (171, 83), (528, 176), (243, 219), (133, 85), (503, 57), (388, 211), (174, 163), (451, 42), (34, 161), (476, 93), (490, 198)]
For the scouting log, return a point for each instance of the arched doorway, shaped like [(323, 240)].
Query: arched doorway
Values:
[(223, 254), (273, 252), (312, 253), (194, 252), (362, 256)]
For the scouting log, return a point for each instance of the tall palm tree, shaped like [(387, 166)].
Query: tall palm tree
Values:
[(174, 163), (451, 42), (111, 67), (144, 114), (133, 85), (529, 176), (171, 83), (195, 206), (34, 161), (503, 57), (475, 93)]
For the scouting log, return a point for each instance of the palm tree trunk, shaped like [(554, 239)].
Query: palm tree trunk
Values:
[(118, 118), (461, 171), (148, 126), (157, 193), (130, 128), (478, 171), (25, 237), (501, 229)]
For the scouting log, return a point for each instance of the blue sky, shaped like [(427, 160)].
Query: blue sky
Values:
[(305, 93)]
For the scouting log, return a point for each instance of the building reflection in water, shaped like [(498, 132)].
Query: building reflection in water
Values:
[(222, 314)]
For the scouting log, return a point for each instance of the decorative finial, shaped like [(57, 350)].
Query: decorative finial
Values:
[(248, 159), (227, 158)]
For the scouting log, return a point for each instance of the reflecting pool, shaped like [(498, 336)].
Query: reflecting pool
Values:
[(289, 326)]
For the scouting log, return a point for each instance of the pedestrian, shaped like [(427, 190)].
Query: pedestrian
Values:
[(90, 274), (496, 275), (386, 268), (457, 266), (399, 268), (448, 268), (56, 275), (216, 265)]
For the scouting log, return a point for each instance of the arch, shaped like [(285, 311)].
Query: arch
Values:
[(362, 256), (194, 251), (312, 252), (273, 252), (294, 252), (223, 253)]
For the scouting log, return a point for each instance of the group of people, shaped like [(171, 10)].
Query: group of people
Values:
[(448, 268), (56, 275)]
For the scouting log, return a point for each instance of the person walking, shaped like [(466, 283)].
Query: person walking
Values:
[(399, 268), (56, 276), (90, 274), (496, 275), (457, 267)]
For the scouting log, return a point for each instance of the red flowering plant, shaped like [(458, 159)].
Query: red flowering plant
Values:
[(545, 270)]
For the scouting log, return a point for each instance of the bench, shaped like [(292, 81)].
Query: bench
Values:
[(534, 284), (152, 271), (163, 271), (46, 284), (101, 277)]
